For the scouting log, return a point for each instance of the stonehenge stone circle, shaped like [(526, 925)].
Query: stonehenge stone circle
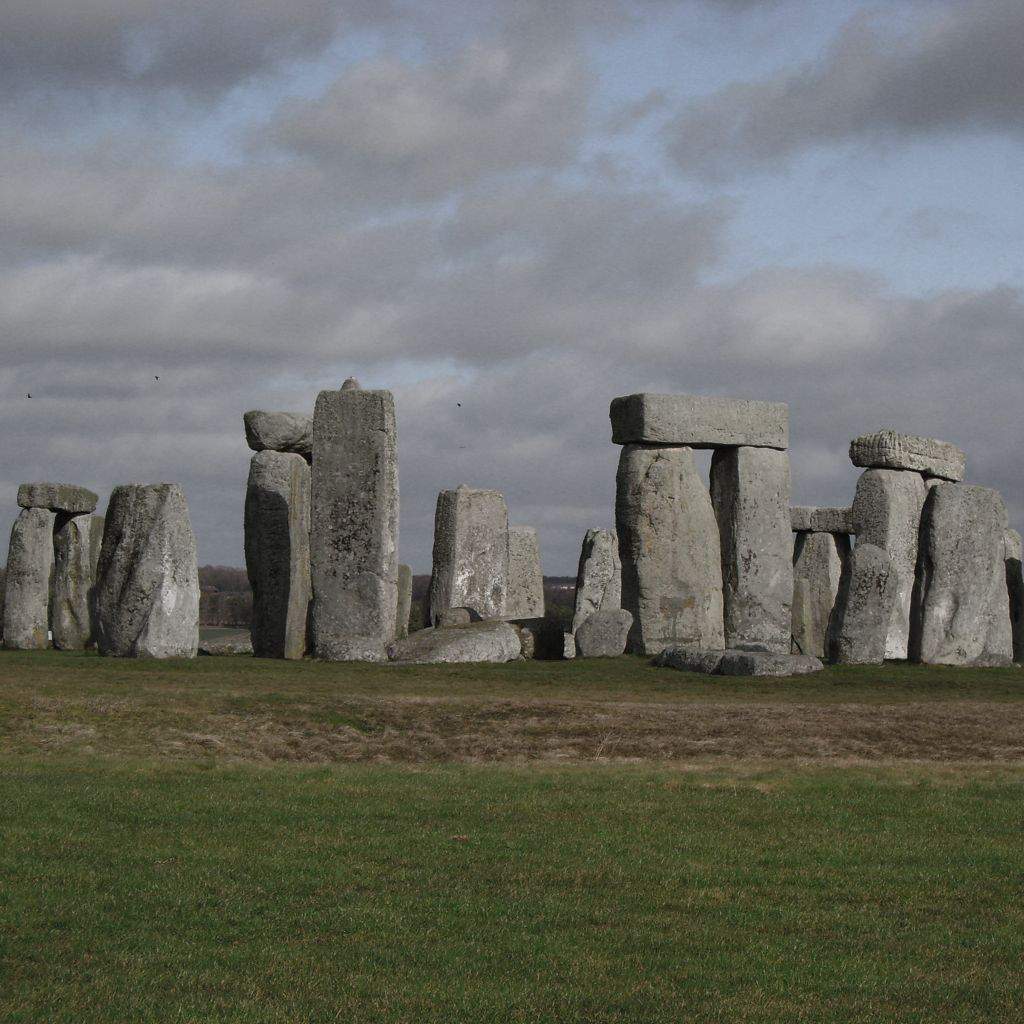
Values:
[(670, 550), (73, 581), (1015, 590), (57, 498), (525, 598), (887, 513), (471, 553), (147, 587), (27, 592), (489, 640), (277, 560), (403, 608), (354, 533), (809, 519), (279, 432), (818, 560), (868, 594), (599, 576), (603, 634), (889, 450), (750, 490), (964, 606), (699, 421)]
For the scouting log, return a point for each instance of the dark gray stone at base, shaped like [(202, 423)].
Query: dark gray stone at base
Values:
[(603, 634), (738, 662), (491, 640)]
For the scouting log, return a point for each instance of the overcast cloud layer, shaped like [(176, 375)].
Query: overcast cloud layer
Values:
[(508, 214)]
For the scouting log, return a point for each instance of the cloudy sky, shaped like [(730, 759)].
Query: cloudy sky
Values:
[(508, 213)]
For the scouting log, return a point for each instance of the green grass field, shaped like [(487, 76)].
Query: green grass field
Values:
[(239, 840)]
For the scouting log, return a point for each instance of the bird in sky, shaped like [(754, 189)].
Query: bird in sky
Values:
[(28, 396), (156, 376)]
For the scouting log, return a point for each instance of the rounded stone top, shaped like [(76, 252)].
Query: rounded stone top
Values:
[(351, 385)]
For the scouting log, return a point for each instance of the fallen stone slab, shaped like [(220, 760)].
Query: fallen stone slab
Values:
[(812, 519), (599, 576), (525, 598), (699, 421), (868, 594), (279, 432), (1015, 589), (236, 643), (71, 606), (818, 560), (27, 592), (737, 662), (490, 640), (404, 607), (890, 450), (604, 634), (690, 659), (57, 497)]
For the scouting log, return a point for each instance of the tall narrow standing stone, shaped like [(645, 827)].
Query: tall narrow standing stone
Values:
[(29, 567), (404, 606), (669, 546), (277, 512), (1015, 589), (73, 580), (354, 537), (750, 493), (863, 609), (599, 577), (818, 561), (470, 567), (525, 598)]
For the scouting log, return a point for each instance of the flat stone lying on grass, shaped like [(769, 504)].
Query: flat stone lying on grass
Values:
[(57, 497), (525, 597), (599, 576), (489, 640), (603, 634), (279, 432), (1015, 589), (868, 593), (237, 643), (29, 569), (887, 449), (737, 662), (812, 519)]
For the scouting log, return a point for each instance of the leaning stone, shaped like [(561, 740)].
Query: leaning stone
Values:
[(525, 598), (71, 610), (57, 498), (277, 514), (604, 634), (477, 641), (470, 566), (868, 593), (279, 432), (354, 536), (690, 659), (27, 592), (404, 606), (235, 643), (810, 519), (889, 450), (699, 421), (767, 663), (964, 605), (1015, 589), (599, 577), (750, 495), (669, 543), (887, 513), (818, 561), (147, 587)]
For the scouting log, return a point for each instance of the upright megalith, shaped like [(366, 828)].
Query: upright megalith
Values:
[(525, 599), (750, 492), (887, 513), (73, 580), (962, 613), (147, 586), (471, 553), (818, 560), (863, 610), (404, 604), (599, 577), (277, 514), (27, 592), (354, 535), (670, 550)]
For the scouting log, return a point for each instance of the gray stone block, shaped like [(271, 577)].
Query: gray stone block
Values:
[(73, 582), (690, 659), (489, 640), (147, 585), (354, 535), (750, 489), (1015, 589), (525, 598), (220, 646), (404, 607), (890, 450), (767, 663), (57, 497), (868, 593), (463, 616), (277, 554), (603, 634), (27, 591), (818, 560), (810, 519), (599, 576), (670, 550), (279, 432), (699, 421)]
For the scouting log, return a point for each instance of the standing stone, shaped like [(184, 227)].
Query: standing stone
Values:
[(73, 580), (750, 493), (669, 545), (867, 595), (404, 605), (818, 561), (599, 577), (277, 513), (471, 553), (1015, 589), (525, 599), (887, 513), (354, 537), (963, 611), (27, 593), (147, 586)]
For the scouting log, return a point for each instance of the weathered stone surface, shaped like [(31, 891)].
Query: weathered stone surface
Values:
[(699, 421), (541, 639), (73, 581), (57, 497), (868, 593), (354, 536), (889, 450), (277, 523), (525, 598), (235, 643), (404, 607), (767, 663), (811, 519), (279, 432), (27, 592), (818, 560), (448, 617), (690, 659), (603, 634), (750, 490), (568, 646), (669, 544), (489, 640), (147, 585), (470, 553), (599, 577), (887, 513), (963, 608), (1015, 589)]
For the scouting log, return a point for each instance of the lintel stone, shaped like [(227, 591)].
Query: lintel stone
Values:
[(57, 497), (809, 519), (890, 450)]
